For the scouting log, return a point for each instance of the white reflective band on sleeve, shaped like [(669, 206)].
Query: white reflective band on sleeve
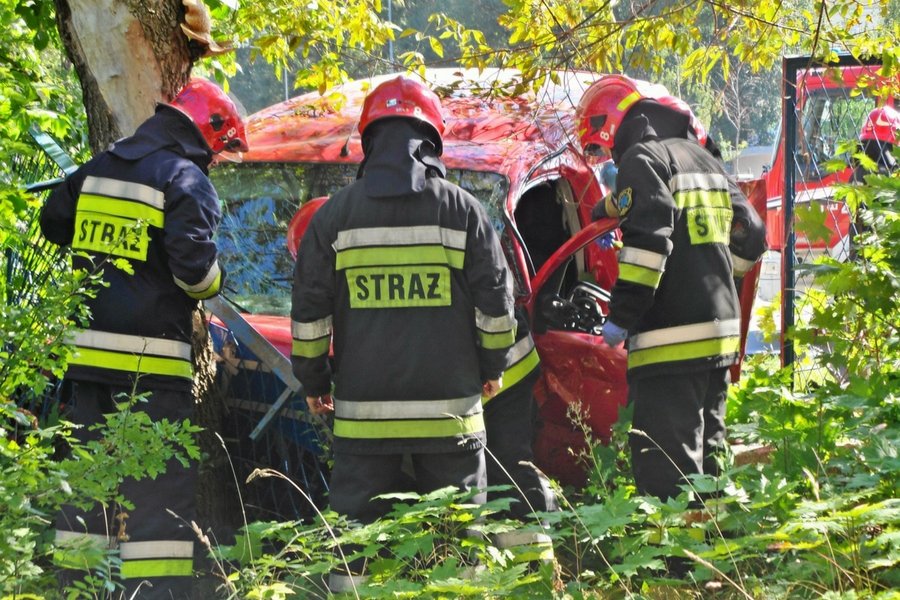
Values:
[(74, 537), (511, 539), (520, 350), (698, 181), (123, 189), (740, 266), (684, 333), (494, 324), (345, 583), (207, 280), (406, 409), (643, 258), (400, 236), (156, 549), (312, 330), (131, 344)]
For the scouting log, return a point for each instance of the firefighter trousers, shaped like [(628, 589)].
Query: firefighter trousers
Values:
[(156, 549), (680, 423), (509, 420), (357, 478)]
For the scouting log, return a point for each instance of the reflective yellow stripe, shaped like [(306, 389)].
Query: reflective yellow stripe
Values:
[(311, 349), (311, 330), (683, 351), (405, 409), (162, 567), (117, 188), (135, 363), (126, 209), (399, 255), (698, 198), (496, 341), (131, 344), (494, 324), (208, 286), (628, 100), (640, 275), (517, 372), (428, 428)]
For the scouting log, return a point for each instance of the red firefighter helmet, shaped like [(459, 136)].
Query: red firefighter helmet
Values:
[(882, 124), (406, 98), (681, 106), (300, 222), (214, 114), (604, 105)]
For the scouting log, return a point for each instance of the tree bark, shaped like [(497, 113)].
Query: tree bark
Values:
[(128, 55)]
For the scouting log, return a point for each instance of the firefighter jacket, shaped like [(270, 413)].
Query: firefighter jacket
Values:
[(523, 364), (683, 221), (146, 200), (415, 295)]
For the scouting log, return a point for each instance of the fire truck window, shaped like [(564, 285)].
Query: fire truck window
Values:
[(539, 219)]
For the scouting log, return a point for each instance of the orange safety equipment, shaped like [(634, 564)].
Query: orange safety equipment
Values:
[(300, 222), (405, 98), (882, 124), (604, 105), (214, 114)]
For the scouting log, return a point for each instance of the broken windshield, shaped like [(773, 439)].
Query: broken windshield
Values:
[(258, 201)]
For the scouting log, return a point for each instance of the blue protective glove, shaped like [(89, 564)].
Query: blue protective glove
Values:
[(608, 173), (613, 335), (606, 241)]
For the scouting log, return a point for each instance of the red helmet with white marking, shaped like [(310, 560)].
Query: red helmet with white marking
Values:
[(405, 98), (882, 124), (214, 114)]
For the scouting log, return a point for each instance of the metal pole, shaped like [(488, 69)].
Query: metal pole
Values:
[(390, 42), (788, 253)]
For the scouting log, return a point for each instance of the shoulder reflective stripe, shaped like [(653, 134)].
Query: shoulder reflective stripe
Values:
[(684, 351), (165, 567), (684, 333), (406, 409), (740, 266), (133, 344), (311, 330), (419, 235), (628, 100), (643, 258), (123, 189), (399, 255), (426, 428), (345, 583), (646, 277), (311, 349), (156, 549), (491, 324), (207, 287), (698, 181), (132, 363), (121, 207)]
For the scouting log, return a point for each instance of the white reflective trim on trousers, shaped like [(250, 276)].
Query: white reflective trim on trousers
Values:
[(400, 236), (116, 188), (345, 583), (740, 266), (70, 538), (204, 284), (511, 539), (698, 181), (684, 333), (520, 350), (643, 258), (156, 549), (131, 344), (494, 324), (407, 409), (311, 330)]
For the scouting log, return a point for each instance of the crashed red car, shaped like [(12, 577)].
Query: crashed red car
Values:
[(520, 157)]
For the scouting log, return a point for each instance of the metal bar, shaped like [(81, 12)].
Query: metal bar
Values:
[(53, 150), (788, 255)]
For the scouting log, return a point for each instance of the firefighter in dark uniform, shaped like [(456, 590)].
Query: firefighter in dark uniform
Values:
[(403, 273), (877, 138), (147, 200), (675, 301), (509, 419)]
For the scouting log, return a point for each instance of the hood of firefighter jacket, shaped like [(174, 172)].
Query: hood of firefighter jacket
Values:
[(399, 157), (650, 119), (168, 129)]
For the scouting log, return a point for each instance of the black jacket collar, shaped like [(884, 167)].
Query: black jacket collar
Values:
[(168, 129)]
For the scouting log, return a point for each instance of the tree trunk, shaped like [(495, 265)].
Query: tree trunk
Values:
[(128, 55)]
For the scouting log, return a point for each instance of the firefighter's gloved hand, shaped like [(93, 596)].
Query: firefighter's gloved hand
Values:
[(608, 173), (607, 241), (613, 335)]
